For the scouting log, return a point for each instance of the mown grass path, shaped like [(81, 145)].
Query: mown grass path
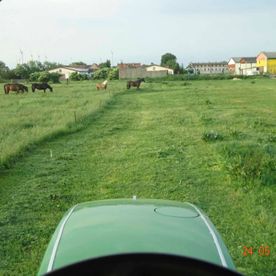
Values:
[(148, 144)]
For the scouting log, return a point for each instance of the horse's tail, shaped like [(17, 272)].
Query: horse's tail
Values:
[(6, 89)]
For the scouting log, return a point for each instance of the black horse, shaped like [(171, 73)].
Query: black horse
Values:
[(136, 83), (41, 86)]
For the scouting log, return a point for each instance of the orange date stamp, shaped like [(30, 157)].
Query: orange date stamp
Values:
[(263, 251)]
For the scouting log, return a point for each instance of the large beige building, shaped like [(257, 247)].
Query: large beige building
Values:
[(65, 71)]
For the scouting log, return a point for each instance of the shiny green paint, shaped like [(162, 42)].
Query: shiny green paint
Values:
[(103, 228)]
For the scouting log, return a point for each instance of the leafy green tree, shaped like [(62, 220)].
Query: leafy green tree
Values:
[(169, 60), (106, 64), (4, 71)]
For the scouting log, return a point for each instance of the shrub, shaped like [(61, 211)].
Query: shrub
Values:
[(34, 76), (78, 77), (101, 74), (212, 136), (113, 74), (44, 77), (54, 77)]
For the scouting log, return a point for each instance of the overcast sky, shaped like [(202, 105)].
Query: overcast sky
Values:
[(135, 30)]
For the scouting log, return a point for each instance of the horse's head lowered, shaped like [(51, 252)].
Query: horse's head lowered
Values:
[(141, 79)]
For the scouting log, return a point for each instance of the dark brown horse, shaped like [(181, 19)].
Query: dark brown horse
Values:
[(17, 87), (41, 86), (136, 83)]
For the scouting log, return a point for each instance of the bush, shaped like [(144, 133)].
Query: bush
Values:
[(113, 74), (54, 77), (44, 77), (212, 136), (101, 74), (78, 77), (34, 76)]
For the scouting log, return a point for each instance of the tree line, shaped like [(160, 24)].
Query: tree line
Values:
[(38, 71)]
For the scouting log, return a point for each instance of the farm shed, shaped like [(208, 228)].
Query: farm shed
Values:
[(136, 70), (266, 62), (156, 68)]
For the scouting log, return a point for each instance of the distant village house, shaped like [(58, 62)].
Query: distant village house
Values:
[(242, 66), (266, 63)]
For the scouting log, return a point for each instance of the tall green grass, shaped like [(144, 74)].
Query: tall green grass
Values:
[(29, 118)]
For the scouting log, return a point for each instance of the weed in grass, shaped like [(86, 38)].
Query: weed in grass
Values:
[(271, 138), (236, 134), (206, 119), (27, 125), (260, 123), (252, 162), (186, 83), (212, 136)]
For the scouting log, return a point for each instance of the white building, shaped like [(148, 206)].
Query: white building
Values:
[(234, 65), (156, 68), (246, 66), (208, 67)]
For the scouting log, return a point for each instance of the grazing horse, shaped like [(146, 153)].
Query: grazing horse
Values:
[(18, 87), (136, 83), (41, 86), (102, 85)]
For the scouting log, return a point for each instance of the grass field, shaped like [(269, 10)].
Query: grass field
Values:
[(211, 143)]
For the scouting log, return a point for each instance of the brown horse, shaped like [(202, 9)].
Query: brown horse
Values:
[(102, 85), (18, 87), (136, 83)]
